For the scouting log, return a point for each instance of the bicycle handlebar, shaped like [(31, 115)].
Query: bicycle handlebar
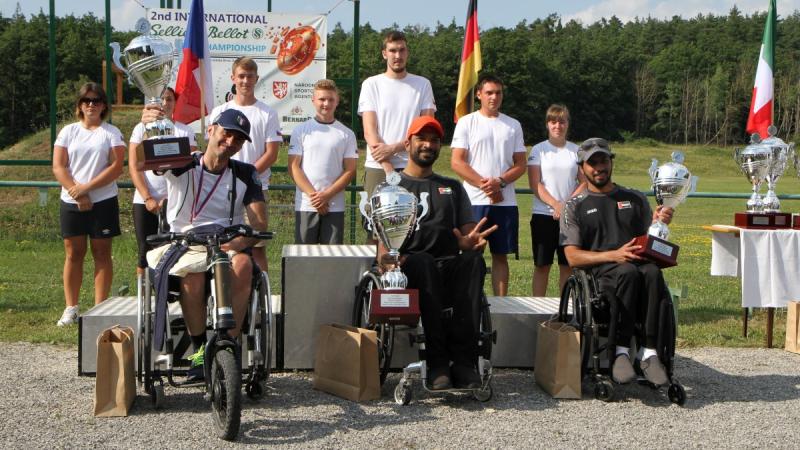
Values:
[(205, 238)]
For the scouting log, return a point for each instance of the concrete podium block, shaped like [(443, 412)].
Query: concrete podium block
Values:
[(516, 319)]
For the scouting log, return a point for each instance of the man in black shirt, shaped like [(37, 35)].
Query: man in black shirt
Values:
[(598, 228), (443, 260)]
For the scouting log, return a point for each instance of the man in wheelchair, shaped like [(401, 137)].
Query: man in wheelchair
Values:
[(214, 190), (443, 260), (598, 228)]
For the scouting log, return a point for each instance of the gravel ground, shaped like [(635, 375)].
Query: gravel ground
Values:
[(741, 398)]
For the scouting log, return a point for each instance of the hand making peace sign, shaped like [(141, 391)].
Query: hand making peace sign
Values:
[(475, 239)]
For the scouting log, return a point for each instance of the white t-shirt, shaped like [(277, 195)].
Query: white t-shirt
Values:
[(323, 148), (490, 143), (396, 103), (264, 127), (559, 172), (87, 156), (155, 183)]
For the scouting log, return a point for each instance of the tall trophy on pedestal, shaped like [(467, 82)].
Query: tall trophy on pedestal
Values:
[(763, 160), (672, 183), (393, 213), (148, 65)]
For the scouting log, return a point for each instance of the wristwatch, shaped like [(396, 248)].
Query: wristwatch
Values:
[(503, 183)]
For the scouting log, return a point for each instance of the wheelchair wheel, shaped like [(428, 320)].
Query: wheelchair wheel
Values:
[(487, 334), (604, 390), (402, 393), (385, 332), (144, 330), (484, 394), (226, 394), (676, 394), (263, 332), (576, 293)]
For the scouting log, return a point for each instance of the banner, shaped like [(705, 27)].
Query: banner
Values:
[(290, 50)]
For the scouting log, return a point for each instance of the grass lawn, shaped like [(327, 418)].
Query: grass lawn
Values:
[(31, 293)]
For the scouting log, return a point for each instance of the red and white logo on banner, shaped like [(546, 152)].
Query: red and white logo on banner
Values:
[(280, 89)]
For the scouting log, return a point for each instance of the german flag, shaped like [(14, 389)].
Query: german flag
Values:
[(470, 63)]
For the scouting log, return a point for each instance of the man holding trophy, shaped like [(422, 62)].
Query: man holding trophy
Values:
[(599, 228), (442, 259)]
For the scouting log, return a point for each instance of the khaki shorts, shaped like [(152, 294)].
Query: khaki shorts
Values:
[(193, 261)]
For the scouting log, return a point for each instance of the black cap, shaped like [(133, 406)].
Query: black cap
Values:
[(592, 146), (234, 120)]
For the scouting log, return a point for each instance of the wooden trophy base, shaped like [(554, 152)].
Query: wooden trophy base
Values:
[(663, 253), (394, 306), (164, 153), (764, 221), (796, 221)]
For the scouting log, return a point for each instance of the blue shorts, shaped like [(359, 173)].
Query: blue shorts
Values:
[(504, 240)]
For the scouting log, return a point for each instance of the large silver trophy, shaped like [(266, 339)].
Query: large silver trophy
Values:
[(779, 152), (393, 213), (148, 65), (672, 183)]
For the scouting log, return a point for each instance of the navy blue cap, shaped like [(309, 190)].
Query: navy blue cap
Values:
[(234, 120)]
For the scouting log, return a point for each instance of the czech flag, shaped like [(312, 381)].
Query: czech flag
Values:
[(195, 70), (761, 106), (470, 63)]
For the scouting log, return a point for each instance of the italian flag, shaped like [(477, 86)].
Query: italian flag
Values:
[(761, 107), (470, 63)]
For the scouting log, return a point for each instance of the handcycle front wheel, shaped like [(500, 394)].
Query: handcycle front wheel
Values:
[(226, 394), (385, 332)]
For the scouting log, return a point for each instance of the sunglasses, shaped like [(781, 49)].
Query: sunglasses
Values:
[(92, 100)]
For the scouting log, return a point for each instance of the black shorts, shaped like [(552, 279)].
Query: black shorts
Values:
[(145, 223), (102, 221), (545, 236)]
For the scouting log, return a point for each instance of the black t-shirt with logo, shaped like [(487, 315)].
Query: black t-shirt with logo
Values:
[(605, 221), (448, 207)]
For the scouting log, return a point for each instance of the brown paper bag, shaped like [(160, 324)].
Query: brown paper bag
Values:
[(557, 366), (115, 385), (793, 327), (346, 362)]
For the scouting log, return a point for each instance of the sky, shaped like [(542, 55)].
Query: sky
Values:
[(384, 13)]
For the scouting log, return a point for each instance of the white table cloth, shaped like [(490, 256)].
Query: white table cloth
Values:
[(768, 262)]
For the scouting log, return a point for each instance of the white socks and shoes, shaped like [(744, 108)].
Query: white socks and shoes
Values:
[(69, 316)]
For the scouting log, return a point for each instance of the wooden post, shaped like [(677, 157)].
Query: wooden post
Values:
[(770, 323)]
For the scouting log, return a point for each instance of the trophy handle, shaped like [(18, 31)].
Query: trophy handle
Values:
[(693, 187), (423, 202), (115, 56), (362, 206), (652, 169)]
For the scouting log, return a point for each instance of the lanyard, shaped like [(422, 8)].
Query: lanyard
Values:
[(196, 209)]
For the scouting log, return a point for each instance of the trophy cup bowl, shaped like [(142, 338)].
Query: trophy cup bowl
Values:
[(779, 152), (148, 65), (672, 183), (754, 162)]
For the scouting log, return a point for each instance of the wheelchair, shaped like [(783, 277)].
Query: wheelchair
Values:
[(224, 371), (592, 314), (364, 296)]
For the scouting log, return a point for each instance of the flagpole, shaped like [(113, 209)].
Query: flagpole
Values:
[(203, 112)]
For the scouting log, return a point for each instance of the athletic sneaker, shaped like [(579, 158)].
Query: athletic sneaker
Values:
[(69, 316), (465, 376), (622, 370), (439, 378), (654, 371), (197, 370)]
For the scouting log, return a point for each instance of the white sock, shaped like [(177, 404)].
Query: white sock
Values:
[(623, 350), (648, 352), (73, 308)]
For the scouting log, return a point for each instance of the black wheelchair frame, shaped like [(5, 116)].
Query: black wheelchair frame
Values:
[(592, 314)]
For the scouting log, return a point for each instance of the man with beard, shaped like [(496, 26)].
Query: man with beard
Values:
[(443, 261), (598, 228)]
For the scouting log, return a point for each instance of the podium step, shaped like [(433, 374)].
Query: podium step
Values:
[(516, 319)]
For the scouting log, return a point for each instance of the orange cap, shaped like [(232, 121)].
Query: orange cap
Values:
[(422, 122)]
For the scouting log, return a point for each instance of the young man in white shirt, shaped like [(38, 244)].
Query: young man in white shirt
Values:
[(322, 162), (265, 135), (488, 152), (387, 104)]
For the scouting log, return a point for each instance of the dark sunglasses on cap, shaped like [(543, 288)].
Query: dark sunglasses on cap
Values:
[(92, 100), (594, 142)]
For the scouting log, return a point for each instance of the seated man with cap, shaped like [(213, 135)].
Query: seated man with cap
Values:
[(443, 260), (214, 190), (598, 229)]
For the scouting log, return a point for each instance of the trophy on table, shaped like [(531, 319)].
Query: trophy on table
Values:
[(393, 213), (763, 160), (148, 65), (672, 183)]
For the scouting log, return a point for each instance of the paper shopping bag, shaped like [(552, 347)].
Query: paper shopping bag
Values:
[(346, 362), (115, 385), (557, 366), (793, 327)]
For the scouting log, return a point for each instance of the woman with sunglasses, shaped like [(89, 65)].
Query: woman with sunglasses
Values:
[(554, 178), (87, 160), (151, 189)]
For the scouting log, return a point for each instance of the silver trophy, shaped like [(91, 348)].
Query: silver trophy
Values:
[(779, 152), (392, 213), (148, 65), (672, 183), (754, 161)]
